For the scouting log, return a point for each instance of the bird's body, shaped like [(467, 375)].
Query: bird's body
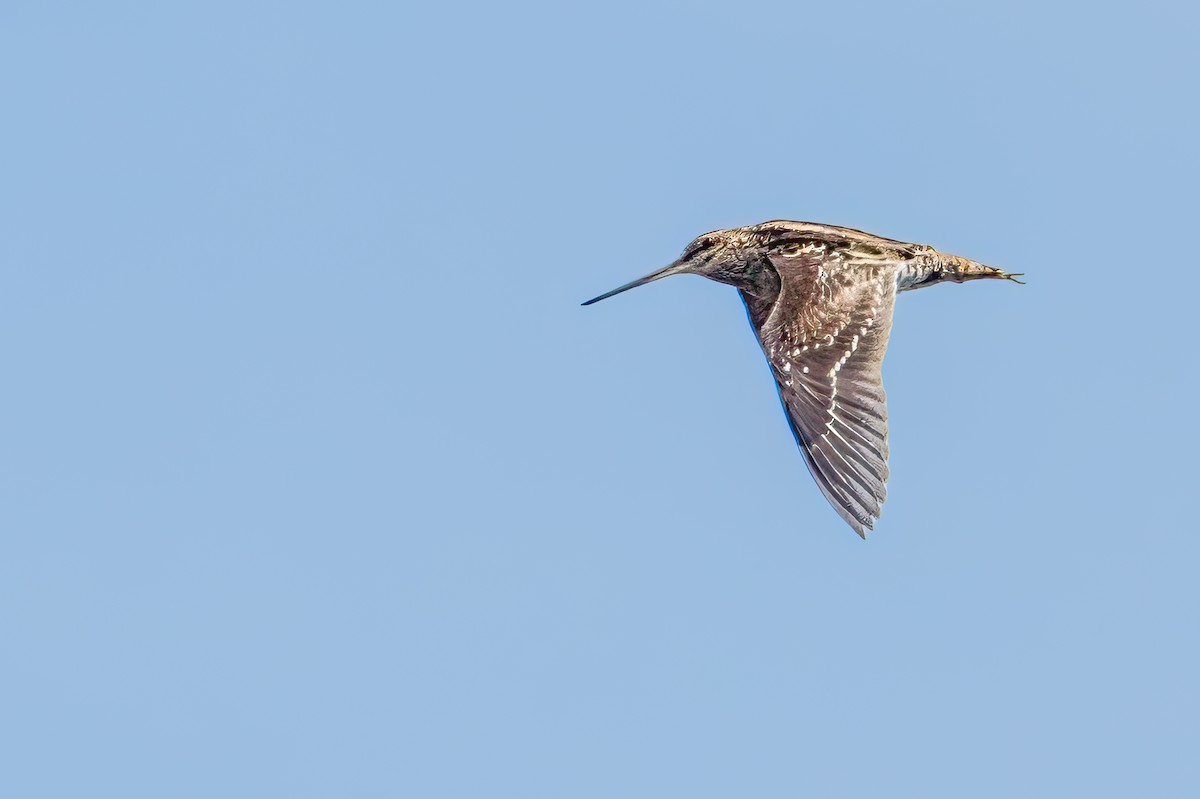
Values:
[(820, 300)]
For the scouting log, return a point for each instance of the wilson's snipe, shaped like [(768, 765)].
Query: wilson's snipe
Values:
[(820, 299)]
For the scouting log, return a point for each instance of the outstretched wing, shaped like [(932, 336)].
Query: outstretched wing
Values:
[(825, 337)]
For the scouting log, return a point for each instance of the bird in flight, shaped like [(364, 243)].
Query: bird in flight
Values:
[(820, 300)]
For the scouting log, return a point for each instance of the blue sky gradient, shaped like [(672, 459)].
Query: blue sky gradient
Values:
[(315, 479)]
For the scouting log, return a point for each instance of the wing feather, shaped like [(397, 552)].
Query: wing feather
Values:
[(825, 339)]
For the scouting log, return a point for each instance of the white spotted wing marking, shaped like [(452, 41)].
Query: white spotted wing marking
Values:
[(831, 387)]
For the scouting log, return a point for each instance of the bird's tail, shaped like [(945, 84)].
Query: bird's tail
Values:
[(959, 269)]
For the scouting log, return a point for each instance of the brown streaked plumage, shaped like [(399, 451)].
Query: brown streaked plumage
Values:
[(820, 300)]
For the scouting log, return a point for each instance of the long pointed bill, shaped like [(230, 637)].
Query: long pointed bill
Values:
[(666, 271)]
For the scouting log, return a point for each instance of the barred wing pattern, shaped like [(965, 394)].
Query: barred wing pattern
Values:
[(827, 360)]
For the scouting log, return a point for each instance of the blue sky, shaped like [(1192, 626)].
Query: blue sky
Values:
[(315, 479)]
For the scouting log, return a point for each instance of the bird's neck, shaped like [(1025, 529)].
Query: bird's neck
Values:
[(756, 278), (759, 286)]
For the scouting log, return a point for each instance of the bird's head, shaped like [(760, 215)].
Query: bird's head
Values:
[(726, 256)]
